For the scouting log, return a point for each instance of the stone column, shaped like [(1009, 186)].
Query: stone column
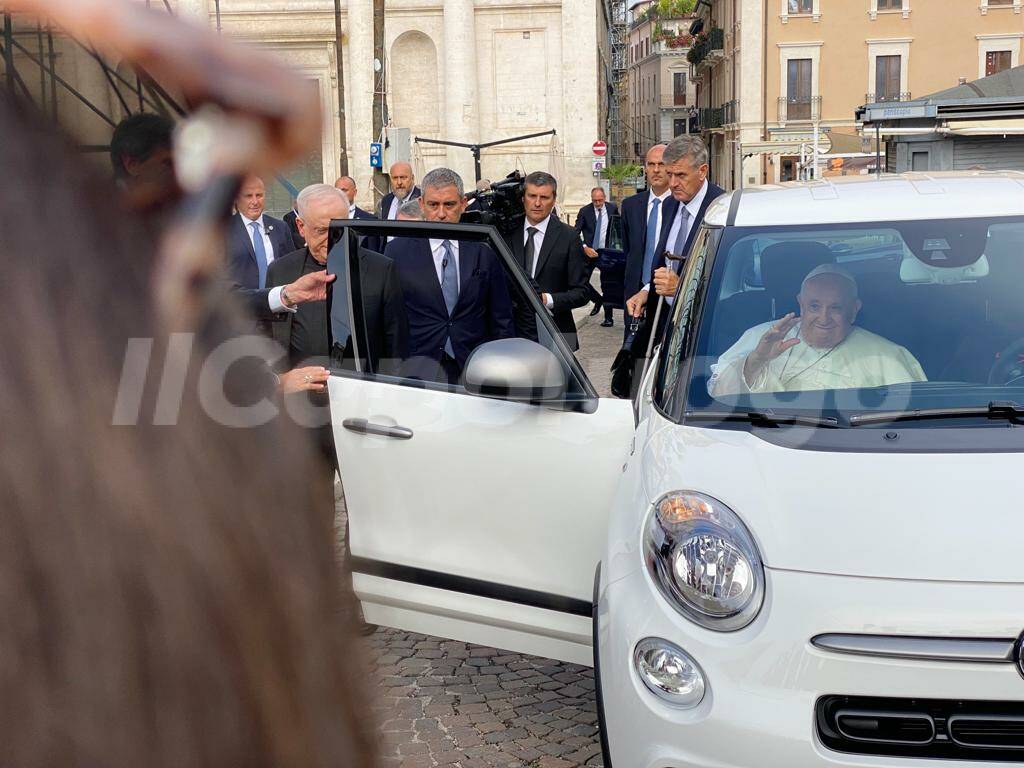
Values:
[(358, 67), (461, 111), (582, 122)]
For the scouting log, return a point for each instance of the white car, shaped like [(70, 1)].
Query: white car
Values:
[(823, 571)]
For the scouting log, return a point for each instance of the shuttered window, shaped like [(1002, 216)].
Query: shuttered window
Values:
[(887, 78), (996, 61), (798, 93)]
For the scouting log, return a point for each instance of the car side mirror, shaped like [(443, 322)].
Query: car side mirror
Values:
[(515, 369)]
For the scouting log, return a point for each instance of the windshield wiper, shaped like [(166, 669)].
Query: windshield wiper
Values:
[(997, 409), (767, 418)]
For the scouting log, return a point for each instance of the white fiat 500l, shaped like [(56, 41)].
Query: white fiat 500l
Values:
[(799, 547)]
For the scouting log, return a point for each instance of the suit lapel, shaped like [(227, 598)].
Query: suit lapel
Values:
[(550, 236), (469, 259), (518, 248), (241, 228)]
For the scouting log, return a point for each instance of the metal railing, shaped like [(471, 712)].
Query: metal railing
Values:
[(799, 108), (731, 112), (881, 98), (709, 118), (705, 46)]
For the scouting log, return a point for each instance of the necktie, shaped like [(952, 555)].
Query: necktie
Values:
[(677, 248), (652, 240), (449, 287), (597, 231), (261, 253), (530, 250)]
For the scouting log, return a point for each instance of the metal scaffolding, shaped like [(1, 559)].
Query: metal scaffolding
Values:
[(31, 53), (618, 31)]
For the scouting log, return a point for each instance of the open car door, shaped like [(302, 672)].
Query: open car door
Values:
[(478, 506)]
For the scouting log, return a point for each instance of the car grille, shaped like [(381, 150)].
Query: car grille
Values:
[(922, 728)]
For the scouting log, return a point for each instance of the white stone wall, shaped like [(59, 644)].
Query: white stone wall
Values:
[(462, 70)]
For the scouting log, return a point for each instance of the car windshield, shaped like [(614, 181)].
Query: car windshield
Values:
[(845, 321)]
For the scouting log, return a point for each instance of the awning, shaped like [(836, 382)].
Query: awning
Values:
[(985, 127)]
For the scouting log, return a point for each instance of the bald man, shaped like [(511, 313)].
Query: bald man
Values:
[(403, 188), (255, 239), (348, 186), (820, 349)]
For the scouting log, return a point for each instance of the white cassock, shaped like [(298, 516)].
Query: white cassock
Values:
[(861, 360)]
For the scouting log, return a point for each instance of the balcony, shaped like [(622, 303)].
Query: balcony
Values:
[(731, 112), (799, 109), (883, 98), (707, 50), (709, 118)]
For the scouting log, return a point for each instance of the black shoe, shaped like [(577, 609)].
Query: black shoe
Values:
[(607, 323), (597, 308)]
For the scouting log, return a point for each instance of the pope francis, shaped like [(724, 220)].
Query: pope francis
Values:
[(820, 349)]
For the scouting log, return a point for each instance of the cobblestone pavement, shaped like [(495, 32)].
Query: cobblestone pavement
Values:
[(445, 703)]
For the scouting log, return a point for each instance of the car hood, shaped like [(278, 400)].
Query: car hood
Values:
[(946, 517)]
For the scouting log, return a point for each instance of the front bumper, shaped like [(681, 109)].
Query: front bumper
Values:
[(764, 680)]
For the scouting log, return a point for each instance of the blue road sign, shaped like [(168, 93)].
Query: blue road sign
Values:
[(376, 155)]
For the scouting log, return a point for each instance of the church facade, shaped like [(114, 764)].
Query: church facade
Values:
[(470, 71)]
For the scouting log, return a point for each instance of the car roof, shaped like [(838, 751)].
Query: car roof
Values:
[(890, 197)]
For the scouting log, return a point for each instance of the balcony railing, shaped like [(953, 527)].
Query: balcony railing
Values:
[(797, 108), (731, 112), (709, 118), (881, 98), (707, 48)]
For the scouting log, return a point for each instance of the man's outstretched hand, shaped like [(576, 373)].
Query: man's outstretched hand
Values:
[(311, 287)]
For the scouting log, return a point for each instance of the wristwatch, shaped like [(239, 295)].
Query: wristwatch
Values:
[(284, 298)]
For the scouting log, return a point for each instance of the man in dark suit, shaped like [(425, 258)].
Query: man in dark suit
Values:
[(593, 223), (403, 187), (551, 254), (254, 239), (289, 219), (348, 185), (456, 295), (642, 217), (686, 163)]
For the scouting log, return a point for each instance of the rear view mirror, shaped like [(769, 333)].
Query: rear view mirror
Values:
[(515, 369)]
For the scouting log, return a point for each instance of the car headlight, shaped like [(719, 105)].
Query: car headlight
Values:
[(704, 560)]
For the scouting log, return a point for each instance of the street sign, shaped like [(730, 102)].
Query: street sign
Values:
[(600, 148), (598, 165), (876, 114), (376, 155)]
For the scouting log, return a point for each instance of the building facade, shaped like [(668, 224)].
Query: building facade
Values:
[(772, 88), (660, 93)]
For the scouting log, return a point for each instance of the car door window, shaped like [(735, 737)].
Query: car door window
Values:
[(423, 298)]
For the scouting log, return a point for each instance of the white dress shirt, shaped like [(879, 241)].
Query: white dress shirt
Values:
[(692, 209), (603, 210), (267, 246), (538, 243), (396, 203), (437, 251)]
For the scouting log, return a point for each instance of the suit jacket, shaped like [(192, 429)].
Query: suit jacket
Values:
[(586, 221), (298, 239), (634, 236), (387, 329), (483, 312), (659, 260), (242, 257), (561, 271), (359, 213), (385, 202)]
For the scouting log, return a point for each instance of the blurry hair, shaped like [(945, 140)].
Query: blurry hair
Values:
[(138, 137), (316, 192), (439, 178), (170, 596), (692, 148), (411, 209), (542, 179)]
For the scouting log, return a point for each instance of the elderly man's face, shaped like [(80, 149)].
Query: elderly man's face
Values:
[(442, 204), (402, 180), (252, 198), (597, 198), (685, 179), (828, 309), (315, 225)]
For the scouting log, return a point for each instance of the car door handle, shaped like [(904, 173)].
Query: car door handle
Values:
[(364, 427)]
